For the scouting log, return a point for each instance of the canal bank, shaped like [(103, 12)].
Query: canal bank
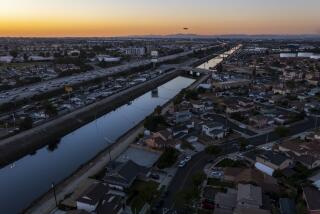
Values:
[(32, 175), (46, 203), (26, 142)]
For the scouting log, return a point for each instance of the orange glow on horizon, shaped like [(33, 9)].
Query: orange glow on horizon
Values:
[(44, 18)]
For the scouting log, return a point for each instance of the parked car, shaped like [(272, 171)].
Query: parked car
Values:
[(182, 164), (155, 176)]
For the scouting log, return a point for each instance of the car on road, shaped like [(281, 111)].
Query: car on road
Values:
[(154, 176), (249, 146), (216, 174), (242, 126), (207, 205), (182, 164), (188, 158), (267, 148), (240, 155)]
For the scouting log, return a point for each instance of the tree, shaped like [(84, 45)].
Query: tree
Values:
[(213, 150), (168, 158), (50, 109), (198, 178), (26, 123), (152, 122), (220, 67), (243, 143), (291, 84), (187, 145), (186, 197), (237, 116), (282, 131), (53, 145), (191, 95), (178, 99), (25, 57), (277, 174), (13, 53), (201, 90), (158, 110)]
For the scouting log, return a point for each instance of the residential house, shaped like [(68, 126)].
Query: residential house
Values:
[(315, 179), (312, 197), (159, 140), (226, 200), (287, 206), (124, 174), (182, 116), (248, 175), (275, 99), (246, 199), (259, 121), (250, 210), (214, 130), (282, 119), (242, 105), (282, 90), (249, 196), (78, 212), (317, 135), (91, 198), (274, 160), (111, 204), (209, 193), (198, 106), (156, 142), (245, 102), (218, 210), (306, 153), (179, 130)]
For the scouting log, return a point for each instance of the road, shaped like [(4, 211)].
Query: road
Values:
[(27, 92), (183, 178), (230, 124)]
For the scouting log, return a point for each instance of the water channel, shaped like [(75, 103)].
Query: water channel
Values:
[(32, 175)]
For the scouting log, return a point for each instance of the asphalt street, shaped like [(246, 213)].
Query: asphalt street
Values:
[(183, 178)]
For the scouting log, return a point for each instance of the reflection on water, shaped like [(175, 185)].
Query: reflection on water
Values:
[(53, 145), (212, 63), (32, 175)]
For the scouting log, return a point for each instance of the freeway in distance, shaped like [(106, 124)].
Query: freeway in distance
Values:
[(30, 91)]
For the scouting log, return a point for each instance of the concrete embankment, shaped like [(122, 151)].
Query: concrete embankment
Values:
[(27, 142), (46, 203)]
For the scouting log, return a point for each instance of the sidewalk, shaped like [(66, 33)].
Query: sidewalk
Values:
[(47, 203)]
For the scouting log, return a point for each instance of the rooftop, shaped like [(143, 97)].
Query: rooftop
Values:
[(312, 197)]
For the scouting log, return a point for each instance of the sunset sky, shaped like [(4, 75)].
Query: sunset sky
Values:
[(138, 17)]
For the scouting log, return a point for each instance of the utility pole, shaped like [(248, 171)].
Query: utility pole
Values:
[(110, 142), (226, 120), (54, 193), (316, 125), (14, 121)]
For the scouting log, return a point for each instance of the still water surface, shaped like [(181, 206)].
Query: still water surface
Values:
[(31, 176)]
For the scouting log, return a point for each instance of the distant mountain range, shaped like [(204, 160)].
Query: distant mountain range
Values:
[(191, 36), (230, 36)]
